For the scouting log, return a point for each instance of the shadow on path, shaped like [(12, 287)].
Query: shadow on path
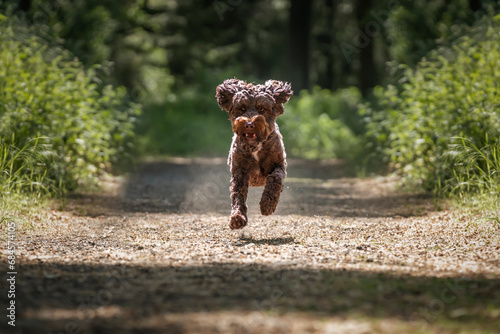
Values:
[(128, 299)]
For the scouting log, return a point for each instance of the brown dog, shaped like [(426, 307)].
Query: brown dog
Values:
[(257, 156)]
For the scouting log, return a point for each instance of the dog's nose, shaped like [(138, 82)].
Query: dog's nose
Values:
[(249, 125)]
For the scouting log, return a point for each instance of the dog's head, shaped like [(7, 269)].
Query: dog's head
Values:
[(253, 108)]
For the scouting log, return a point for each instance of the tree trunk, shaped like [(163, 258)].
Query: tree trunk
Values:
[(24, 5), (331, 5), (299, 29), (475, 5), (367, 72)]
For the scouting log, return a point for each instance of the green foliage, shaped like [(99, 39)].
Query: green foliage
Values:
[(416, 27), (24, 181), (188, 123), (24, 170), (45, 92), (476, 169), (322, 124), (476, 175), (453, 92)]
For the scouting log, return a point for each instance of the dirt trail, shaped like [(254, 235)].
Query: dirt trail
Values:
[(154, 254)]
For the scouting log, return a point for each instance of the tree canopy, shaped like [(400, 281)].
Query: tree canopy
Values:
[(326, 43)]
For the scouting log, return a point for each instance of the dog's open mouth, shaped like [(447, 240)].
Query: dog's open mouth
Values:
[(249, 136)]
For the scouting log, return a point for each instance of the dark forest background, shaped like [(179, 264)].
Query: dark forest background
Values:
[(326, 43), (399, 85)]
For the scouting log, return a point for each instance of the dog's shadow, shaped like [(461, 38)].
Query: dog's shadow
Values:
[(243, 241)]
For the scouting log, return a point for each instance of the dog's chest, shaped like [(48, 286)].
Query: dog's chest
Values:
[(257, 174), (255, 153)]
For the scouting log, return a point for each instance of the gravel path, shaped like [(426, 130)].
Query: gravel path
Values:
[(154, 254)]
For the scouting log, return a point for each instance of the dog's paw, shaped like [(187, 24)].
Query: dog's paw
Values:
[(237, 221), (268, 205)]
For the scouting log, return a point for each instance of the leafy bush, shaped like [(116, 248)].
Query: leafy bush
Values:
[(188, 123), (45, 92), (453, 92), (322, 124)]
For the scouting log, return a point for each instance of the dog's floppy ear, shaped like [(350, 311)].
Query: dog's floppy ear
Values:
[(280, 91), (225, 92)]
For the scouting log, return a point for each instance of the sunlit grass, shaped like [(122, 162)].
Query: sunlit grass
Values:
[(24, 185), (475, 184)]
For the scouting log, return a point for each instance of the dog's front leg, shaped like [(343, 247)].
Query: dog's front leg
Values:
[(239, 192), (272, 190)]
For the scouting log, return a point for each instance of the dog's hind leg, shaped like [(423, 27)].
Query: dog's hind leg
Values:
[(272, 191)]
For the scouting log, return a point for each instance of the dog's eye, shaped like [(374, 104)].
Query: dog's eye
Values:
[(261, 109), (243, 108)]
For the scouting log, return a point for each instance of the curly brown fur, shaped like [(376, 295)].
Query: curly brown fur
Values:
[(257, 156)]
